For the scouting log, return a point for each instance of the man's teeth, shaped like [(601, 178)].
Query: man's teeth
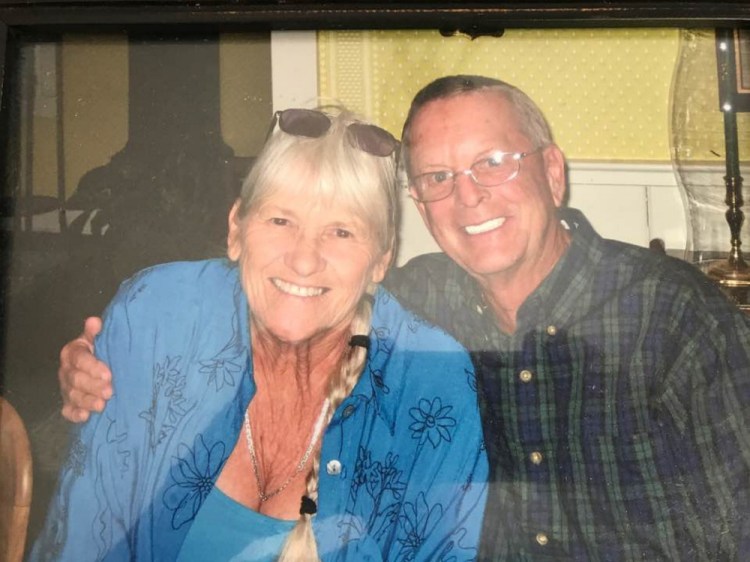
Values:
[(296, 290), (485, 226)]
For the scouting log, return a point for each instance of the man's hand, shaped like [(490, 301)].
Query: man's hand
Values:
[(85, 382)]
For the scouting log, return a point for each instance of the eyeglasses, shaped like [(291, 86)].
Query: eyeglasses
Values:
[(314, 124), (498, 168)]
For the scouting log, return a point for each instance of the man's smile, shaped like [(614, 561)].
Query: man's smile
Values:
[(485, 226)]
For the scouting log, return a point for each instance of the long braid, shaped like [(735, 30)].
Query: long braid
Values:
[(300, 545)]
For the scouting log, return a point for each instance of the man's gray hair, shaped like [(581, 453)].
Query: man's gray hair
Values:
[(534, 124)]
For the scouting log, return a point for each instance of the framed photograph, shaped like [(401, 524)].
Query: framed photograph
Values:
[(742, 47), (733, 56), (128, 126)]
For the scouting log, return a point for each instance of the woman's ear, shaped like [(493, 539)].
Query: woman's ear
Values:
[(234, 238), (381, 266)]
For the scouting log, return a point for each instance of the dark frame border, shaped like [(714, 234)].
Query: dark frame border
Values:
[(393, 14)]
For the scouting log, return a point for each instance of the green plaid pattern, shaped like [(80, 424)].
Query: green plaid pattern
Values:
[(617, 416)]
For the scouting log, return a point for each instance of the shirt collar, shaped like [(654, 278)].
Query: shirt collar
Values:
[(555, 301)]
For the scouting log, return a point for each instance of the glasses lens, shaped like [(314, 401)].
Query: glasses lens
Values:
[(304, 122), (496, 169), (433, 186), (371, 139)]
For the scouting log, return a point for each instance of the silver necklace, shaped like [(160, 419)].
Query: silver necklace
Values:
[(262, 495)]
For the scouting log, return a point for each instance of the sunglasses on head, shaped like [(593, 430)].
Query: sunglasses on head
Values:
[(314, 124)]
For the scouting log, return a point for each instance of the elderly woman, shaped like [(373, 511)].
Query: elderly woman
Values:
[(278, 404)]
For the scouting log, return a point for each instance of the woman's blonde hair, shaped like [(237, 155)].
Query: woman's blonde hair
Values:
[(300, 545), (325, 168)]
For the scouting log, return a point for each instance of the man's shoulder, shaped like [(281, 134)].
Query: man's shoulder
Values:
[(437, 264), (425, 276), (672, 280), (436, 288)]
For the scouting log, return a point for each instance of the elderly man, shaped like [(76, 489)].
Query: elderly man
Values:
[(614, 384)]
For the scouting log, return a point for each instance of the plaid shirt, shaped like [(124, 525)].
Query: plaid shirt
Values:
[(617, 416)]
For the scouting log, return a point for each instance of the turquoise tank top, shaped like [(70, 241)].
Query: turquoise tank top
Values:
[(227, 530)]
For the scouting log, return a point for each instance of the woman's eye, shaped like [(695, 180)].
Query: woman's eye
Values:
[(278, 221), (343, 233)]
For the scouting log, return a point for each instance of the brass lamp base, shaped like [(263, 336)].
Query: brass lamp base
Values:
[(733, 278)]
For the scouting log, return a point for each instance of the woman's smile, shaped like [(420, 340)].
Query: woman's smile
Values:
[(297, 290)]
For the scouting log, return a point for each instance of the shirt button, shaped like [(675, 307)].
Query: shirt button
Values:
[(525, 375), (551, 330), (480, 310), (536, 457), (542, 539), (333, 467), (348, 411)]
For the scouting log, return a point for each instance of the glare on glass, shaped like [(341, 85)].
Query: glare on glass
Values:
[(497, 168)]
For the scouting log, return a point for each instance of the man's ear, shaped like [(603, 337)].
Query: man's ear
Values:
[(234, 238), (554, 166)]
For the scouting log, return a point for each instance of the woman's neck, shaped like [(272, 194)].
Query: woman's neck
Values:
[(288, 373)]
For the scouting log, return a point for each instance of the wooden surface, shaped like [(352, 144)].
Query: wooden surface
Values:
[(15, 483)]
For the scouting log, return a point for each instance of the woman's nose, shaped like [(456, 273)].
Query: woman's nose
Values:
[(467, 191), (304, 257)]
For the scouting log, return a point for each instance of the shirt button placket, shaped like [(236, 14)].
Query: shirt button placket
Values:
[(536, 457)]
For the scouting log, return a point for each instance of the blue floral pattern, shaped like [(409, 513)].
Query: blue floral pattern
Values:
[(117, 440), (221, 371), (225, 367), (411, 484), (168, 405), (192, 475), (432, 422), (417, 521)]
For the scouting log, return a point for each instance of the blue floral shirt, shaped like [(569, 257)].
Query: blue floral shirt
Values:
[(403, 468)]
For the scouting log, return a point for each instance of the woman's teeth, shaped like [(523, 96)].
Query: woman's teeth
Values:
[(296, 290)]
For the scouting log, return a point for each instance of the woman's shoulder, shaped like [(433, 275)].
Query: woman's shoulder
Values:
[(415, 356), (202, 271), (180, 280), (413, 360)]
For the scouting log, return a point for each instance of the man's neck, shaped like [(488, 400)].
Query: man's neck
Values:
[(506, 292)]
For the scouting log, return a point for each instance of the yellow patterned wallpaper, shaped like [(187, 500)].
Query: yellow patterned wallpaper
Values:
[(606, 92)]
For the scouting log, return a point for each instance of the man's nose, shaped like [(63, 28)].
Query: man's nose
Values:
[(467, 191)]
